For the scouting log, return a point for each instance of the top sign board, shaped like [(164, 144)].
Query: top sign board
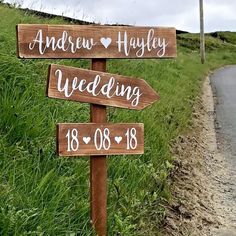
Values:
[(90, 41)]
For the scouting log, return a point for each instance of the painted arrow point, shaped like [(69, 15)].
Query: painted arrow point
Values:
[(96, 87), (149, 96)]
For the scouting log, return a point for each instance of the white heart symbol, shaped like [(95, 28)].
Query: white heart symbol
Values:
[(105, 42), (86, 140), (118, 139)]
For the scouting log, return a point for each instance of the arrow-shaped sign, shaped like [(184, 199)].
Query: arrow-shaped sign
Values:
[(99, 88)]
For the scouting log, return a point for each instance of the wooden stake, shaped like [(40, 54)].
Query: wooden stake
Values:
[(98, 168), (202, 35)]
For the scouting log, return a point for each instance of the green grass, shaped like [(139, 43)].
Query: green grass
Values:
[(42, 194), (227, 37), (192, 41)]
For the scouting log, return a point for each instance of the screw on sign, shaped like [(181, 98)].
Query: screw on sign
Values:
[(100, 89)]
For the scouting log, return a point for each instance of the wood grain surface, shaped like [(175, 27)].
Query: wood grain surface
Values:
[(92, 41), (98, 167), (99, 88), (99, 139)]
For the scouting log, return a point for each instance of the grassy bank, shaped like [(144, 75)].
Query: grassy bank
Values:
[(41, 194)]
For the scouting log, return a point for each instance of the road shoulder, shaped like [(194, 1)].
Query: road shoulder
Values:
[(201, 178)]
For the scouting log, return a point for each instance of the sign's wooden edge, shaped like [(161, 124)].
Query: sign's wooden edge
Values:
[(17, 43), (99, 26), (48, 80), (57, 139), (117, 58), (99, 154), (103, 123), (100, 72), (19, 55)]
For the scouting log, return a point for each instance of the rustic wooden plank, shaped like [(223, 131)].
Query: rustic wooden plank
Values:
[(100, 139), (99, 88), (92, 41), (98, 167)]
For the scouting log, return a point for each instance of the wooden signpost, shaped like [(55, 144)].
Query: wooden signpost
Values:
[(98, 88)]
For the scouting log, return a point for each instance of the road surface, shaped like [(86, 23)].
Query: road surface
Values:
[(224, 88)]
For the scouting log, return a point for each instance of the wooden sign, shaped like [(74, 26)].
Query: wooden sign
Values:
[(99, 88), (99, 139), (92, 41)]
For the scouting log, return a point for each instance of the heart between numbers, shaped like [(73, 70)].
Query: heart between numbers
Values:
[(86, 140), (118, 139), (105, 42)]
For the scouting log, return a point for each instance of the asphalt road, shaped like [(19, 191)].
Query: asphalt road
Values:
[(224, 89)]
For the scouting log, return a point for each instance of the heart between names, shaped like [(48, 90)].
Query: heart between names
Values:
[(105, 42)]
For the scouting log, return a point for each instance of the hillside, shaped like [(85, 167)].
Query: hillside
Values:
[(42, 194)]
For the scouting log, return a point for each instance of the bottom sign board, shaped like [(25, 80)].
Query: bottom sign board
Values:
[(100, 139)]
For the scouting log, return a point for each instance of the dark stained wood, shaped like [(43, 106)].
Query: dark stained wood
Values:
[(98, 168), (137, 94), (117, 136), (92, 41)]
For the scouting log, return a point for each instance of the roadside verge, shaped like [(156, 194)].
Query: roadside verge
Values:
[(200, 177)]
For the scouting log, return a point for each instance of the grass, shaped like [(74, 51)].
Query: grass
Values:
[(227, 37), (42, 194)]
